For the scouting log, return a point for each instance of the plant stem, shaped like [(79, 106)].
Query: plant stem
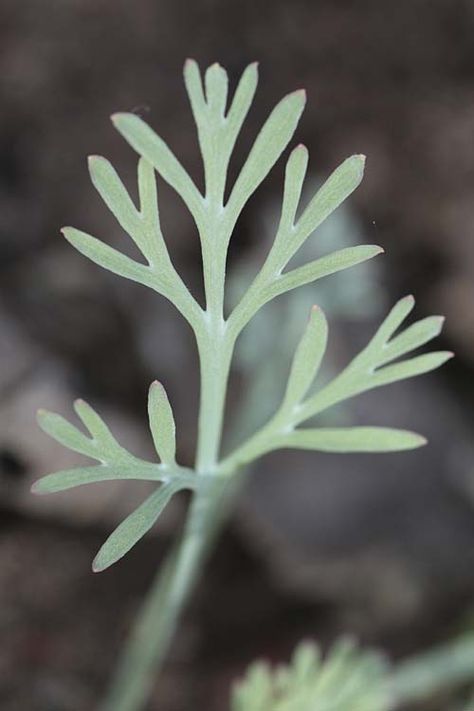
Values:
[(156, 622), (154, 628)]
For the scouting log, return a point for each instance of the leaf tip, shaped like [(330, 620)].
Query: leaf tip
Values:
[(301, 95), (301, 149), (36, 488), (41, 414), (118, 118), (101, 562), (439, 320), (67, 232), (359, 160), (97, 566)]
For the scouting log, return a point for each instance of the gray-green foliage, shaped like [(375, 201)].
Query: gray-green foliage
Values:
[(218, 124), (347, 679)]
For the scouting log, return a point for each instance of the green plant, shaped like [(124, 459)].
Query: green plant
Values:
[(212, 481), (348, 679), (353, 679)]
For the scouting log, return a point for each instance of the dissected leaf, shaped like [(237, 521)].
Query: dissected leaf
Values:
[(373, 367), (134, 527), (162, 424)]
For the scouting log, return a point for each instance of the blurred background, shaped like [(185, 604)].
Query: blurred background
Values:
[(380, 546)]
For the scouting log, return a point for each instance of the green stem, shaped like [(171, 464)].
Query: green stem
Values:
[(153, 631), (156, 622), (215, 358)]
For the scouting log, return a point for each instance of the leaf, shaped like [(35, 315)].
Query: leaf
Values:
[(409, 368), (259, 295), (324, 266), (113, 192), (353, 439), (133, 528), (307, 358), (70, 478), (149, 145), (269, 145), (105, 256), (66, 434), (162, 423), (340, 184)]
